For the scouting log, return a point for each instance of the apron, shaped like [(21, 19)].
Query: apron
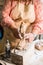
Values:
[(22, 13)]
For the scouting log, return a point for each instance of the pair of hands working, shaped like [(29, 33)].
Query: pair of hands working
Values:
[(16, 31)]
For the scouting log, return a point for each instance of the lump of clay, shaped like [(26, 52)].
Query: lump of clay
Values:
[(21, 45), (39, 46)]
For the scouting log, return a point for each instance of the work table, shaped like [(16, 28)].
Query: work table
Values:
[(31, 56)]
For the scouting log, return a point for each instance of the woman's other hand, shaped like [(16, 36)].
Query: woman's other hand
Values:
[(30, 37)]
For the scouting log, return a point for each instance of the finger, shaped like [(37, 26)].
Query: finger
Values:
[(31, 39), (26, 36)]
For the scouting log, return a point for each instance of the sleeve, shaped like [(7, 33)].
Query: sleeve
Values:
[(7, 20), (38, 25)]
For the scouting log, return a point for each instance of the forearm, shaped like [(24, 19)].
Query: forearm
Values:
[(11, 25), (37, 28), (8, 22)]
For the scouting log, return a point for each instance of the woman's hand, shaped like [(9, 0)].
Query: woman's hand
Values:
[(30, 37)]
